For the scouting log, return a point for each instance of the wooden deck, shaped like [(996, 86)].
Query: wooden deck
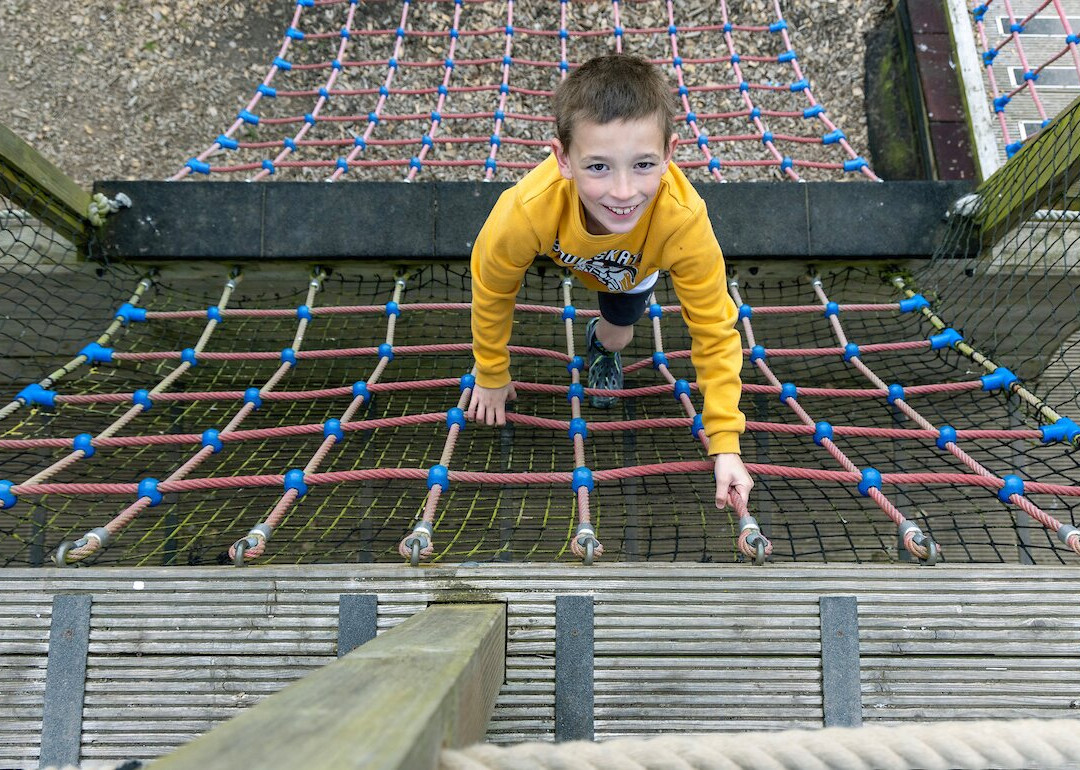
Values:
[(176, 651)]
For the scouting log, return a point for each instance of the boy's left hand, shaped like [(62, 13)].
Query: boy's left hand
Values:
[(732, 480)]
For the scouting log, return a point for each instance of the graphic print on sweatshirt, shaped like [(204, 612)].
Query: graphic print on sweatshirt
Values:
[(617, 269)]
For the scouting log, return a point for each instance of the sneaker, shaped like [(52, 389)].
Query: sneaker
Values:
[(605, 369)]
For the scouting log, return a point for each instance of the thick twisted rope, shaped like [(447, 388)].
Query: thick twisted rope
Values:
[(1021, 743)]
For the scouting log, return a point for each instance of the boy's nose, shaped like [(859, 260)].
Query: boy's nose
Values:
[(622, 187)]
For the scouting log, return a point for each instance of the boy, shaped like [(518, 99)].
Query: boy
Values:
[(609, 204)]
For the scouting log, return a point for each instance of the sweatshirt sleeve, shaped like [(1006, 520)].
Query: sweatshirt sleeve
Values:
[(504, 249), (698, 274)]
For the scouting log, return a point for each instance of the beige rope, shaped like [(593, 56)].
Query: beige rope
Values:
[(1025, 743)]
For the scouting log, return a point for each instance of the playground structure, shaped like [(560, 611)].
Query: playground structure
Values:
[(920, 409)]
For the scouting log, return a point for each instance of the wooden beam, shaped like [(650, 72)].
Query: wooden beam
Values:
[(1038, 176), (980, 119), (394, 702), (34, 182)]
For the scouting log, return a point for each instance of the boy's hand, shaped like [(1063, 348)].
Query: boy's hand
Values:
[(488, 405), (732, 480)]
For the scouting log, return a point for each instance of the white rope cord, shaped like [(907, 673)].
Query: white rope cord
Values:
[(1022, 743)]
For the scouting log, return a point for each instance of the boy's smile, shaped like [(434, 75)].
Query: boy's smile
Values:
[(617, 168)]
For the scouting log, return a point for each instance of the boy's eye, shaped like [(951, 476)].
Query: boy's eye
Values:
[(597, 167), (644, 165)]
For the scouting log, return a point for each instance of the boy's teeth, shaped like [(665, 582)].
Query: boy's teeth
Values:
[(621, 212)]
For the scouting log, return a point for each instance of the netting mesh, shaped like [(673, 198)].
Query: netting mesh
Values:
[(461, 90)]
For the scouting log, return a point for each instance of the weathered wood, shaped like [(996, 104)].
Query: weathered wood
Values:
[(32, 181), (1038, 176), (391, 703)]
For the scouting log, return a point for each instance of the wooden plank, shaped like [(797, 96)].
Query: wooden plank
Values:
[(977, 105), (1040, 169), (391, 703), (32, 181), (61, 730)]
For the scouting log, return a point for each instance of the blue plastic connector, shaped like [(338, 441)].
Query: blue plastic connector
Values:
[(438, 476), (855, 164), (569, 313), (494, 140), (582, 478), (359, 142), (658, 360), (226, 143), (1031, 75), (913, 303), (282, 64), (988, 57), (198, 166), (1000, 378), (564, 34), (672, 29), (564, 65), (1014, 485), (776, 26), (1016, 27), (436, 116), (96, 354), (392, 308), (213, 313), (294, 33), (288, 356), (682, 387), (467, 381), (833, 137), (386, 350), (788, 390), (946, 338), (786, 162), (509, 31), (141, 398), (577, 390), (254, 397), (618, 32), (871, 479), (415, 162), (714, 164), (578, 427), (490, 163), (1001, 103), (212, 439), (455, 416), (946, 435), (84, 441), (310, 118), (7, 497), (289, 143), (799, 85), (577, 362), (703, 140), (268, 165), (676, 61), (266, 90), (896, 393), (303, 312), (831, 309), (373, 118), (332, 427), (187, 356), (656, 310), (1072, 39), (979, 12), (427, 141), (813, 112), (148, 488), (851, 350), (728, 27), (248, 117), (822, 431), (691, 117), (294, 479), (745, 311), (35, 395), (743, 86), (787, 56), (1062, 430), (128, 313), (758, 353), (766, 137), (345, 34)]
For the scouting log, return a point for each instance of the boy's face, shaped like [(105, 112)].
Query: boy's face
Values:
[(617, 168)]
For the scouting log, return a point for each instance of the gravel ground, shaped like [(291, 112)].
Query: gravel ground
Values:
[(131, 90)]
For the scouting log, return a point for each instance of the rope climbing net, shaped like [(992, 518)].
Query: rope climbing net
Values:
[(1025, 49), (191, 439), (463, 87)]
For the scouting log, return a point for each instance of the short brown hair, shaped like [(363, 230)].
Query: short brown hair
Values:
[(613, 87)]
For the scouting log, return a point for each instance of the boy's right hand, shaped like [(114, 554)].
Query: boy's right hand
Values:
[(488, 405)]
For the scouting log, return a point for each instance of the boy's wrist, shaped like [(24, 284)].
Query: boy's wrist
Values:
[(724, 443)]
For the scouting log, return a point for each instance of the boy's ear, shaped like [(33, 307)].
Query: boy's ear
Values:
[(673, 141), (562, 159)]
